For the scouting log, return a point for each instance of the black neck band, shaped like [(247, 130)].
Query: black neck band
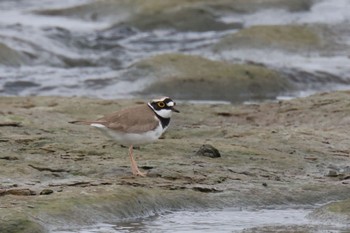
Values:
[(164, 121)]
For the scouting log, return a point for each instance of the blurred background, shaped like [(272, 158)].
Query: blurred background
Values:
[(223, 50)]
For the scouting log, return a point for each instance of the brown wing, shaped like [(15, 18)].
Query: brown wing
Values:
[(131, 120)]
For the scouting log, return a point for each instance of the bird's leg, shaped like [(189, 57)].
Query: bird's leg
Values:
[(135, 170)]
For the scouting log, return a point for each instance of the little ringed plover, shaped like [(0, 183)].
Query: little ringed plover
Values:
[(136, 125)]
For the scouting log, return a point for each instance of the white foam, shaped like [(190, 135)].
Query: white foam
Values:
[(326, 11), (10, 15)]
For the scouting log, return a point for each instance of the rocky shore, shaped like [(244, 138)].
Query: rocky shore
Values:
[(54, 174)]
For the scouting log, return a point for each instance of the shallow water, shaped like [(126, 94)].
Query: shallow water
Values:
[(227, 220)]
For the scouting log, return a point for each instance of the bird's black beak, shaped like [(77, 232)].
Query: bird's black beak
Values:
[(174, 109)]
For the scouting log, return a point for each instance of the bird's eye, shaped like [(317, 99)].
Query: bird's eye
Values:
[(161, 104)]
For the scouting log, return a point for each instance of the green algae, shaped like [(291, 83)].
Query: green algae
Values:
[(341, 207), (17, 222), (123, 10), (194, 77), (291, 38), (11, 57)]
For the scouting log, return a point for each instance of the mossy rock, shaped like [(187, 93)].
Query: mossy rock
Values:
[(148, 15), (15, 222), (194, 77), (11, 57), (72, 207), (255, 5), (187, 19), (335, 212), (183, 15), (342, 207), (94, 11), (291, 38)]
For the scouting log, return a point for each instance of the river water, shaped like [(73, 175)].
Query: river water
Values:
[(225, 221), (72, 56)]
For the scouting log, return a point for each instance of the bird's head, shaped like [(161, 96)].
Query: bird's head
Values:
[(163, 107)]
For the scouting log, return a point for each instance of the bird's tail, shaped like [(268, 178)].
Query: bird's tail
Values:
[(80, 122)]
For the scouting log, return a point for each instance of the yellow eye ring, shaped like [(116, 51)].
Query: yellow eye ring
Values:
[(161, 104)]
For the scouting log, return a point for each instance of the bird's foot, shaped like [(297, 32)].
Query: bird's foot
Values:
[(139, 173)]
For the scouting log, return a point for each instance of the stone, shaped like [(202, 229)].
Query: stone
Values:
[(332, 173), (208, 151), (197, 78), (46, 192), (18, 192)]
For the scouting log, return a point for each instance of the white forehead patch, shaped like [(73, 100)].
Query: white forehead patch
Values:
[(171, 104), (161, 99)]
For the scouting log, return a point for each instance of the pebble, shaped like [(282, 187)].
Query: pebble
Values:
[(332, 173), (46, 192), (208, 151)]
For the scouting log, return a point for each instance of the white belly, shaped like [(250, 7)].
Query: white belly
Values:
[(131, 138)]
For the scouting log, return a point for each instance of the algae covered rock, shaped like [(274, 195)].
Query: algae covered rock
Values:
[(183, 15), (16, 222), (256, 5), (335, 212), (74, 207), (291, 38), (194, 77), (11, 57), (93, 10), (147, 15), (190, 19)]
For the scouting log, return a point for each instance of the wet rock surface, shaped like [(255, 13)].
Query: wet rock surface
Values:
[(335, 212), (101, 10), (12, 221), (292, 38), (271, 154), (10, 57)]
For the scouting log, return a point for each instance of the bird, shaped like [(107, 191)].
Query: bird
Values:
[(137, 125)]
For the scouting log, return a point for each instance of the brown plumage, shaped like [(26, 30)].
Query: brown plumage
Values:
[(127, 120)]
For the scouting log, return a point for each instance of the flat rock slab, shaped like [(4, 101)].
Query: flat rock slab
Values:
[(271, 154)]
